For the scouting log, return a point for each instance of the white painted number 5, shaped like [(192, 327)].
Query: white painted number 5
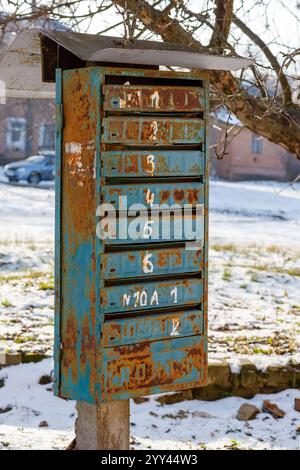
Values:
[(148, 229)]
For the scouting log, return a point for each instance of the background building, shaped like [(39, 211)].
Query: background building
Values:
[(26, 128), (247, 155)]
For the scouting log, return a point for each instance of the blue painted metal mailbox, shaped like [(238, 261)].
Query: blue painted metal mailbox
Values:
[(131, 306), (132, 313)]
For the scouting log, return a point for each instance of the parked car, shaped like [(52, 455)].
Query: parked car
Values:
[(33, 169)]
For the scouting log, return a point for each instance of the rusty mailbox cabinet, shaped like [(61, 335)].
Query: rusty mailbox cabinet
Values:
[(132, 313)]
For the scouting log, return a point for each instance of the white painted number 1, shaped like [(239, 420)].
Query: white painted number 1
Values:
[(174, 295)]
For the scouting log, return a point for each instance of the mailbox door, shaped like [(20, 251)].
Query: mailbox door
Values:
[(131, 289)]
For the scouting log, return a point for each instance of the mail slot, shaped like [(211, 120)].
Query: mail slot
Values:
[(118, 332), (152, 131), (154, 163), (151, 295), (150, 262), (149, 194), (131, 232), (151, 98)]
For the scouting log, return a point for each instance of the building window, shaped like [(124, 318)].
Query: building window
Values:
[(16, 133), (47, 136), (257, 144)]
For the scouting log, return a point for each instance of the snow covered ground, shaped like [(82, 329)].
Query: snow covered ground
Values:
[(254, 271), (32, 418), (254, 313)]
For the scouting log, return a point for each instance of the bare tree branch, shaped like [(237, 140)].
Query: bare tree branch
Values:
[(287, 94), (223, 14)]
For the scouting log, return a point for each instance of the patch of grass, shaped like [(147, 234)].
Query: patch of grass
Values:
[(273, 249), (226, 247), (296, 308), (226, 275), (257, 350), (234, 445), (243, 286), (277, 269), (6, 303), (46, 285), (28, 275), (24, 339), (202, 446)]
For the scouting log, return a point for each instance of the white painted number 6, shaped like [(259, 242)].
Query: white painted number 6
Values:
[(147, 264)]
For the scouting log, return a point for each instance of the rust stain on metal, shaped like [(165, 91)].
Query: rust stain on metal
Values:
[(143, 370), (164, 195), (151, 98), (179, 195)]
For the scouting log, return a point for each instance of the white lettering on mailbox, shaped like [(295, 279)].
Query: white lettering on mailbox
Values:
[(148, 229), (148, 266), (153, 130), (174, 295), (175, 327), (141, 298), (151, 164), (149, 197)]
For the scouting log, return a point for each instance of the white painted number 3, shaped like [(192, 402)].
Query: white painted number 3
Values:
[(151, 164)]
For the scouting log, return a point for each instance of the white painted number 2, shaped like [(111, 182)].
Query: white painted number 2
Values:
[(175, 327)]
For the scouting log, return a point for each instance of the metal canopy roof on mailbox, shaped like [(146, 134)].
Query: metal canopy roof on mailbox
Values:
[(34, 51)]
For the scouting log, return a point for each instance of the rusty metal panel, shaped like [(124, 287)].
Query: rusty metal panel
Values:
[(154, 163), (147, 368), (141, 98), (151, 295), (147, 328), (149, 193), (152, 131), (151, 262), (77, 315)]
